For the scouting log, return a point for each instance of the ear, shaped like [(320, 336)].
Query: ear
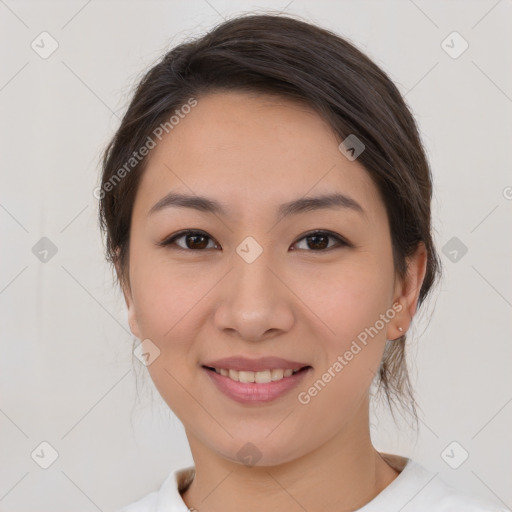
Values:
[(127, 293), (407, 292)]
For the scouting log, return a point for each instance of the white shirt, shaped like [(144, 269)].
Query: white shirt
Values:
[(415, 489)]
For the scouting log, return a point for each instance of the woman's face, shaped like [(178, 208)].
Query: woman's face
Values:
[(253, 284)]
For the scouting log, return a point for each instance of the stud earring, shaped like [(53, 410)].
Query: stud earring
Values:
[(400, 329)]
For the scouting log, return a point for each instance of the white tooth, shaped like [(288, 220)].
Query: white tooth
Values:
[(277, 374), (263, 377), (246, 376)]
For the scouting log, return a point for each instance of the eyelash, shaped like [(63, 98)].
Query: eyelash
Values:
[(171, 240)]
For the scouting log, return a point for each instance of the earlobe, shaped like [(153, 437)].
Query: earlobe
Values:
[(132, 322), (127, 294), (132, 316), (407, 291), (400, 324), (416, 270)]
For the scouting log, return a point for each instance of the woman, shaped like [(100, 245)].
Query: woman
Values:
[(266, 205)]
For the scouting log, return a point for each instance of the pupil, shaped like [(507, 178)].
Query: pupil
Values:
[(194, 245), (316, 237)]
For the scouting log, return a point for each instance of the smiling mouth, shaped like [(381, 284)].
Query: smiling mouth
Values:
[(260, 377)]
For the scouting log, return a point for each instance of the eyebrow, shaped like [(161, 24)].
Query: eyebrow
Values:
[(302, 205)]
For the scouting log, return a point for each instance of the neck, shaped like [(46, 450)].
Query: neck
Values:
[(343, 474)]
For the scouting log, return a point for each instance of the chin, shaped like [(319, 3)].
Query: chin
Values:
[(261, 451)]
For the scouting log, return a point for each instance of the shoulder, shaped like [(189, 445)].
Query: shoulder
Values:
[(167, 498), (425, 491), (468, 503), (146, 504), (443, 497)]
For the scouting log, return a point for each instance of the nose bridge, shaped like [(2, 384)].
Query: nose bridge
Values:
[(252, 278), (254, 301)]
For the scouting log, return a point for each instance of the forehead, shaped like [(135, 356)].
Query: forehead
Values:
[(252, 151)]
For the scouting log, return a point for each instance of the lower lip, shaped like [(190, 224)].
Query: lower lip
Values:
[(252, 392)]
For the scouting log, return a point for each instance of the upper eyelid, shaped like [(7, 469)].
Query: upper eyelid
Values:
[(185, 232)]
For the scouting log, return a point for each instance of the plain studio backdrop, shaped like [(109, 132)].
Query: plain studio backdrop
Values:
[(71, 395)]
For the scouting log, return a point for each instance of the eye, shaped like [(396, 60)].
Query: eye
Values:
[(194, 240), (198, 240), (319, 240)]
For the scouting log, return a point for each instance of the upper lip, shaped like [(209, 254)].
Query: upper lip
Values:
[(241, 363)]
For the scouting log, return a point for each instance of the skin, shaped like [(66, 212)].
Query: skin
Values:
[(253, 153)]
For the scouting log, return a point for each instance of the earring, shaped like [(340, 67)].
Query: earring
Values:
[(400, 329)]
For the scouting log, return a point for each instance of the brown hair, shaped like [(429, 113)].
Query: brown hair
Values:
[(277, 54)]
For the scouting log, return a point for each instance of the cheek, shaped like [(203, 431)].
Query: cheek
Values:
[(170, 306), (165, 292), (344, 300), (349, 301), (352, 347)]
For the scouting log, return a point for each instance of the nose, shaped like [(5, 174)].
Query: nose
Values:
[(254, 303)]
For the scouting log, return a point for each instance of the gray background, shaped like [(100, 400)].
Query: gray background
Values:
[(66, 374)]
